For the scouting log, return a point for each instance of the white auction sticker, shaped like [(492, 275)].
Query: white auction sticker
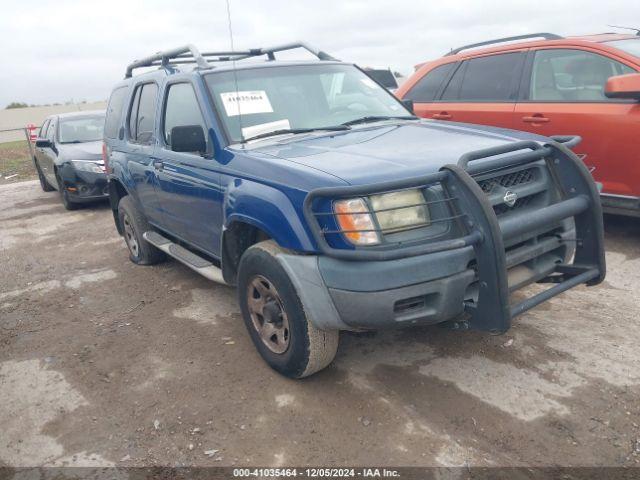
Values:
[(246, 103)]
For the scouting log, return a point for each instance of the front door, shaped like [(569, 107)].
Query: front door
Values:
[(49, 154), (189, 187), (39, 152), (565, 96)]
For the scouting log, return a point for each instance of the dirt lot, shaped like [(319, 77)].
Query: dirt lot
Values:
[(103, 362)]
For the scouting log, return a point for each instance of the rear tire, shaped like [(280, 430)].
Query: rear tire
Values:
[(44, 184), (275, 318), (134, 224)]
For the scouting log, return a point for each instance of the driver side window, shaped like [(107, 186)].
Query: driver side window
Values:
[(51, 131), (43, 129), (181, 110)]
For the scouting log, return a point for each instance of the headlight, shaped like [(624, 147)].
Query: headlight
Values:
[(394, 212), (356, 222), (401, 210), (88, 166)]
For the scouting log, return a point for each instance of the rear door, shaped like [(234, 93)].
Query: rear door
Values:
[(564, 95), (482, 90), (140, 148), (426, 90), (189, 186)]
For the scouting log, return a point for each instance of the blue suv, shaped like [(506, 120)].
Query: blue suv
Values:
[(331, 207)]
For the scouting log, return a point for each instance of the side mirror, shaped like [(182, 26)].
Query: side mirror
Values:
[(43, 143), (188, 138), (408, 104), (623, 86)]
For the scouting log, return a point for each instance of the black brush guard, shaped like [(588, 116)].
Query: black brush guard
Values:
[(482, 230)]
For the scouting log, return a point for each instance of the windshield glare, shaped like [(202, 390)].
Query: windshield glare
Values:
[(80, 129), (631, 46), (297, 97)]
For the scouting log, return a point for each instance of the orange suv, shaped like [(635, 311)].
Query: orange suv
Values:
[(587, 86)]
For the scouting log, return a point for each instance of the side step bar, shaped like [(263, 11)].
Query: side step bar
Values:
[(196, 263)]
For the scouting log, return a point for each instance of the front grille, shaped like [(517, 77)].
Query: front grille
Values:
[(495, 187), (508, 180), (520, 203)]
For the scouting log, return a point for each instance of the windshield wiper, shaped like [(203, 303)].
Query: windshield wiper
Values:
[(379, 118), (282, 131)]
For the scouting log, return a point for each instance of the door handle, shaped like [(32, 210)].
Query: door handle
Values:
[(158, 165), (536, 118), (442, 116)]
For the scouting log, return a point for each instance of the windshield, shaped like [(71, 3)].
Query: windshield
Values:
[(81, 129), (297, 97), (631, 46)]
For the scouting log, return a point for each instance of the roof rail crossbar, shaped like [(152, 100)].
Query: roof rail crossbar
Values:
[(546, 36), (271, 51), (164, 57), (190, 54)]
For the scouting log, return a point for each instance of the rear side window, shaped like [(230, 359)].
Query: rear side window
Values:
[(486, 79), (143, 112), (181, 110), (114, 112), (428, 86), (565, 75)]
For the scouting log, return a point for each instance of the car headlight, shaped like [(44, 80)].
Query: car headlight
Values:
[(355, 221), (400, 210), (88, 166), (394, 212)]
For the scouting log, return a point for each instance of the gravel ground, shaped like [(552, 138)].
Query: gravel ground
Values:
[(106, 363)]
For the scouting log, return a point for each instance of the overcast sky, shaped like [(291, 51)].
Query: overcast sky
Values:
[(57, 50)]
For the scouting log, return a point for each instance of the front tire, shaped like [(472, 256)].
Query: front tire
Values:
[(44, 184), (134, 224), (64, 196), (275, 318)]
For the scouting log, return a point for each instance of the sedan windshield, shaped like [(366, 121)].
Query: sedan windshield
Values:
[(631, 46), (81, 129), (298, 98)]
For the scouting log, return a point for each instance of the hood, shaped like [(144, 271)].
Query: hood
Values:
[(81, 151), (390, 151)]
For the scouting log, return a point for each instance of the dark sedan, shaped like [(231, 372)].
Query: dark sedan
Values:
[(68, 157)]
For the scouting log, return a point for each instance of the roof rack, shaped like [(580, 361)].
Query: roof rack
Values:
[(190, 54), (546, 36), (637, 30)]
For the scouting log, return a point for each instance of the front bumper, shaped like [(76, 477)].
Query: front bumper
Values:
[(84, 186), (422, 290), (471, 276)]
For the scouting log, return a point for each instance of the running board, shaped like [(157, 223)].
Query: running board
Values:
[(196, 263)]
